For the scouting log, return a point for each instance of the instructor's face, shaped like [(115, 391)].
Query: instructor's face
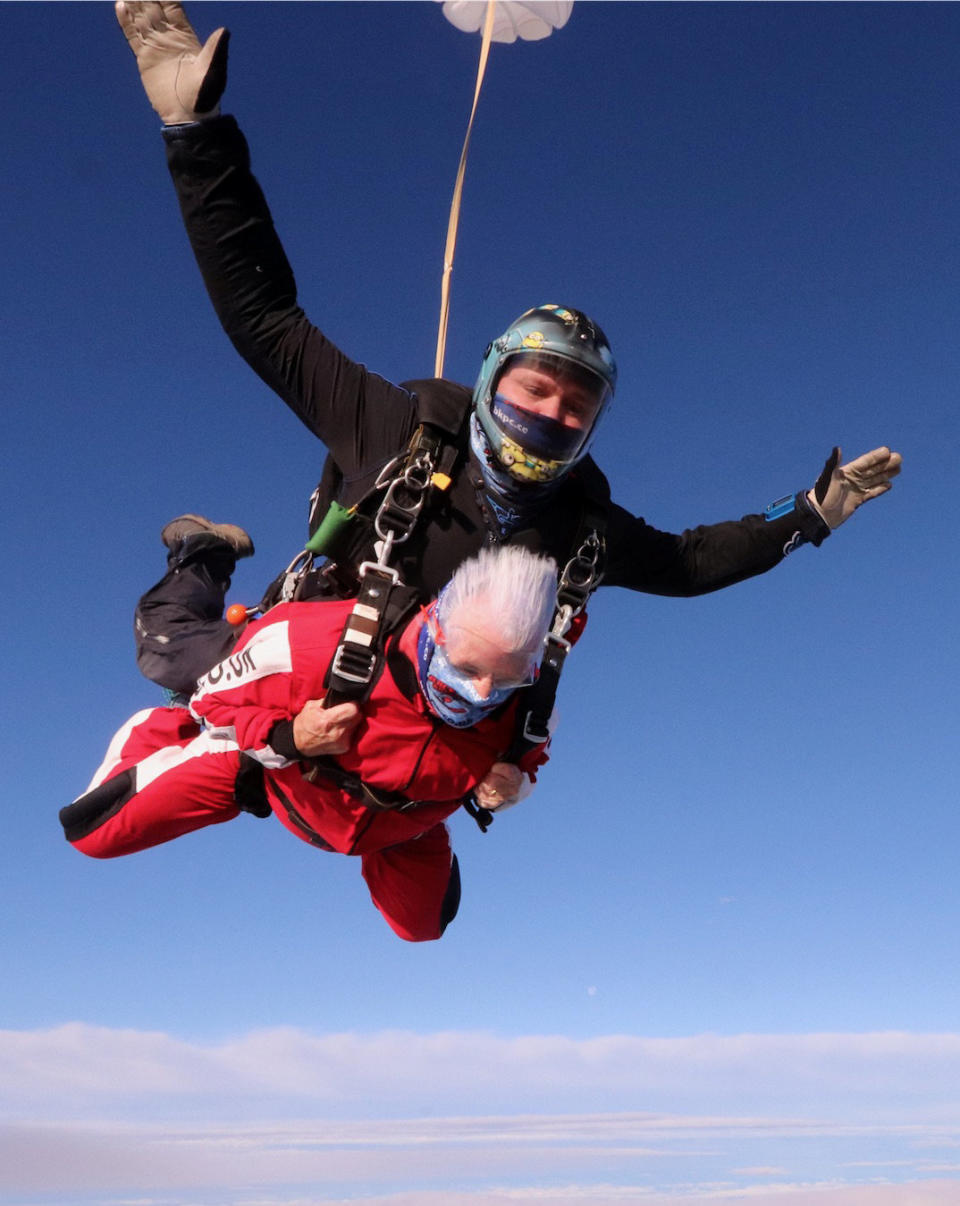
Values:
[(542, 392)]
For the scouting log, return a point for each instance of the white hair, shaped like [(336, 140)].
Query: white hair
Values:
[(511, 583)]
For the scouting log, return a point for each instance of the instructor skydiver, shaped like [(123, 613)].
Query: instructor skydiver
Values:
[(521, 473)]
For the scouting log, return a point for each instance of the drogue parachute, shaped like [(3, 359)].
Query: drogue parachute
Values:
[(498, 21), (530, 20)]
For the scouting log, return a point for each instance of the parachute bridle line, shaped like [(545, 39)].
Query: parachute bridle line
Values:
[(454, 218)]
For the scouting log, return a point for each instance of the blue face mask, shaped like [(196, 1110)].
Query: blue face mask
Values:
[(449, 692), (538, 435)]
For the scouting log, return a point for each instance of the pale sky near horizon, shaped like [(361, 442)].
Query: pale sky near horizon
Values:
[(713, 958)]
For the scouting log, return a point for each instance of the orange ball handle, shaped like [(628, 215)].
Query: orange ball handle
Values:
[(236, 614)]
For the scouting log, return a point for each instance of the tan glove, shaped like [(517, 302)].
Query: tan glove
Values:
[(840, 489), (182, 79)]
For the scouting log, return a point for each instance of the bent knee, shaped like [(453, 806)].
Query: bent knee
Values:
[(82, 818), (423, 930)]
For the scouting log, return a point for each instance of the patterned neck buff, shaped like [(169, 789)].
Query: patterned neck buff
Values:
[(514, 503), (450, 694)]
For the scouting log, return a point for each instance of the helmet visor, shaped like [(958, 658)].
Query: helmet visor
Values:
[(545, 409), (531, 379)]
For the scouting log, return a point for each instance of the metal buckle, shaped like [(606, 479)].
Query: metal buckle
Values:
[(561, 624), (401, 513), (536, 738), (293, 575), (375, 569), (579, 578), (362, 661)]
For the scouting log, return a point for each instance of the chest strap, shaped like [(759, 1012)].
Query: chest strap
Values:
[(358, 789)]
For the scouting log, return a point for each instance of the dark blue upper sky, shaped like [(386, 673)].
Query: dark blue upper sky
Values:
[(750, 818)]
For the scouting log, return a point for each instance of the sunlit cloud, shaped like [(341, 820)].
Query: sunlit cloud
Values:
[(77, 1063), (101, 1117)]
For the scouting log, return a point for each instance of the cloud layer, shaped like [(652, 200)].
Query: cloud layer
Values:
[(287, 1118), (372, 1074)]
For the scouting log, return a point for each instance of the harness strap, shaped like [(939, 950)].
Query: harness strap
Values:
[(373, 797), (358, 651), (580, 578), (298, 822), (361, 644), (386, 516), (482, 816)]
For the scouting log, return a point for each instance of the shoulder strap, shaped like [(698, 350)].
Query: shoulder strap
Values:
[(389, 511), (381, 608), (443, 404), (347, 538), (579, 578), (442, 409)]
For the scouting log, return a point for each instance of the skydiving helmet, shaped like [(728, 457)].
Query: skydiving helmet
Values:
[(567, 344)]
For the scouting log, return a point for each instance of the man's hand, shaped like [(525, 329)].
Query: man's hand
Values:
[(840, 489), (182, 79), (319, 730), (501, 786)]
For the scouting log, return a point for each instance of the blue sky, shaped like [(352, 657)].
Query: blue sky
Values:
[(713, 957)]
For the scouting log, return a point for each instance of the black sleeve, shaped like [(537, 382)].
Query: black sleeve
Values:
[(280, 740), (704, 558), (362, 418)]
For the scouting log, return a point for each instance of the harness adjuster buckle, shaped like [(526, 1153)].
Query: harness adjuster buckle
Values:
[(530, 735), (354, 663)]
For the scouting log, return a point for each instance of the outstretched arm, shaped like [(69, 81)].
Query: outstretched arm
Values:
[(182, 79), (713, 556)]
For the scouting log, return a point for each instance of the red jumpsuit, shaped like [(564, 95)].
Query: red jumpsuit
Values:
[(166, 773)]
